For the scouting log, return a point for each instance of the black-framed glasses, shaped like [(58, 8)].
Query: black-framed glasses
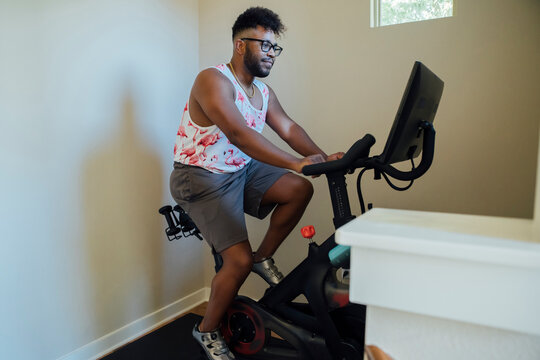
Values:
[(267, 45)]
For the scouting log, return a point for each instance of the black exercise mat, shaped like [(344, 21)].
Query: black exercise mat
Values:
[(172, 341)]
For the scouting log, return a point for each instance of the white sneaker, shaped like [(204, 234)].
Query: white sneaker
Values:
[(213, 344)]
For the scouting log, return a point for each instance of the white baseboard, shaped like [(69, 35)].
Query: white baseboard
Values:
[(137, 328)]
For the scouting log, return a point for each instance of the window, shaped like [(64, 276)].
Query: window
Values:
[(391, 12)]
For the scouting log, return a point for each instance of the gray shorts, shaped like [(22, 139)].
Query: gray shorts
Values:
[(217, 202)]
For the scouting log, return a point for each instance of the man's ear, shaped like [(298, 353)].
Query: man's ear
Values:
[(239, 46)]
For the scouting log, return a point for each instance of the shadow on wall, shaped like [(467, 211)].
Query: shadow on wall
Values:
[(122, 187)]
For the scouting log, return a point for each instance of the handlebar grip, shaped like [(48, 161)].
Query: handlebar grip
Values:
[(359, 150)]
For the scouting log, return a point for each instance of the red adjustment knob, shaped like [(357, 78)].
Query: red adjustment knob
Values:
[(308, 231)]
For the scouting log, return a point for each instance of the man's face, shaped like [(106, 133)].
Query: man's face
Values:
[(258, 62)]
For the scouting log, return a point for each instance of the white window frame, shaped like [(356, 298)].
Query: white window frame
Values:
[(375, 13)]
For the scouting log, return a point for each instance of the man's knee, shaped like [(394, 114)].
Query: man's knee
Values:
[(290, 188), (302, 189), (240, 261), (245, 262)]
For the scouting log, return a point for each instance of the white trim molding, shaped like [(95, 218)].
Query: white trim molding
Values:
[(137, 328)]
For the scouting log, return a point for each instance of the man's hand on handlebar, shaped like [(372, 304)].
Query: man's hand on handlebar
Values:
[(315, 159), (308, 160), (335, 156)]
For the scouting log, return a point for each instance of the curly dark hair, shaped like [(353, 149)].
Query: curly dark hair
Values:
[(255, 16)]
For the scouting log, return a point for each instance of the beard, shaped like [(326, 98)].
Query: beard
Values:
[(254, 65)]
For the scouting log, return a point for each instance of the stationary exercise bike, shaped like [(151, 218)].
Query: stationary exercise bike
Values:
[(328, 326)]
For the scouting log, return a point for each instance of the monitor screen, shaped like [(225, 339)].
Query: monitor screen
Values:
[(419, 103)]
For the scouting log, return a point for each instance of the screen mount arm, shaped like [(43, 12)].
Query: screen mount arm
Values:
[(428, 148)]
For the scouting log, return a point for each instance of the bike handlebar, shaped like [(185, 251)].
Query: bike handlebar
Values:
[(357, 157), (359, 150)]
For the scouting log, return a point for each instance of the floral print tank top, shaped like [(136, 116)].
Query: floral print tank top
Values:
[(208, 147)]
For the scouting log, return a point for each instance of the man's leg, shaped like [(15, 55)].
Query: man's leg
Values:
[(237, 264), (292, 193)]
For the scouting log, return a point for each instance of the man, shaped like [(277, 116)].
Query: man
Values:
[(224, 167)]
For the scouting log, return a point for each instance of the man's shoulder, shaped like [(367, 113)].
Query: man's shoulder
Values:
[(211, 72), (212, 77)]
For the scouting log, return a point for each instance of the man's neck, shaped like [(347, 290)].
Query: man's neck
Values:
[(241, 72)]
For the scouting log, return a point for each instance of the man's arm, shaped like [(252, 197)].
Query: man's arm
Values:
[(291, 132), (215, 95)]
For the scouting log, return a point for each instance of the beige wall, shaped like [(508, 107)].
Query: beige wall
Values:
[(537, 201), (90, 97), (340, 79)]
